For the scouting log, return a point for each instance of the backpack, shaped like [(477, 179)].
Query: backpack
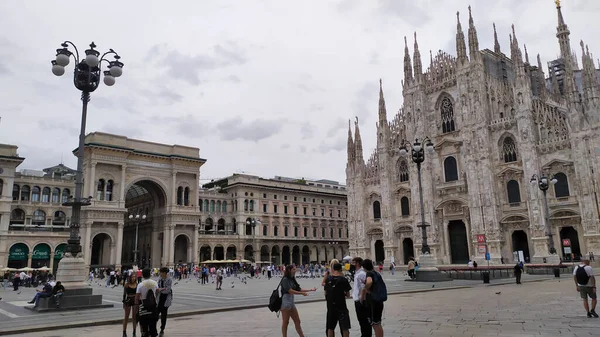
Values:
[(333, 294), (379, 289), (581, 275), (275, 300), (416, 263), (149, 306)]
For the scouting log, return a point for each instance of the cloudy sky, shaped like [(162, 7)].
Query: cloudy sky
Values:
[(260, 86)]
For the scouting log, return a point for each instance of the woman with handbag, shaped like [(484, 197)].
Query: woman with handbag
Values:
[(289, 288), (129, 289), (165, 297)]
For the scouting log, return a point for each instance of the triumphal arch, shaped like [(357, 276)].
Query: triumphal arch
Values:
[(143, 197)]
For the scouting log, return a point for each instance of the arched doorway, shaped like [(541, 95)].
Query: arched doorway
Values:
[(18, 255), (100, 251), (275, 255), (181, 249), (249, 253), (296, 255), (264, 253), (231, 253), (571, 234), (41, 256), (204, 253), (219, 253), (305, 255), (379, 252), (459, 246), (408, 249), (146, 197), (520, 243), (285, 255)]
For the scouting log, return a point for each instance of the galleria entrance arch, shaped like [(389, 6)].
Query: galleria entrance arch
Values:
[(133, 177)]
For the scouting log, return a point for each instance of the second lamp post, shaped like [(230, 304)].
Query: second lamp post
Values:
[(137, 219), (418, 157), (543, 184)]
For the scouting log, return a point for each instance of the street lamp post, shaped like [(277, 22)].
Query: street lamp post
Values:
[(86, 78), (253, 222), (543, 184), (418, 156), (137, 219)]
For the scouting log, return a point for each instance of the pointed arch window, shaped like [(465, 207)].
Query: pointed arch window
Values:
[(561, 188), (513, 191), (403, 171), (100, 189), (46, 194), (109, 190), (376, 210), (186, 196), (509, 150), (404, 206), (35, 194), (450, 169), (447, 112)]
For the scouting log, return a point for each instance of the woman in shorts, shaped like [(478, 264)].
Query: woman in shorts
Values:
[(129, 289), (289, 288)]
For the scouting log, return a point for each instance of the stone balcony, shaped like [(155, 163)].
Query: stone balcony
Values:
[(457, 186), (561, 202), (514, 207)]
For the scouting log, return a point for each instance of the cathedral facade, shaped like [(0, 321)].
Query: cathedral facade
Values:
[(499, 124)]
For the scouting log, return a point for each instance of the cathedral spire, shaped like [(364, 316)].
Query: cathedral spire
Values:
[(562, 33), (350, 143), (382, 110), (358, 149), (407, 65), (526, 54), (539, 61), (473, 40), (496, 43), (515, 52), (461, 48), (417, 60)]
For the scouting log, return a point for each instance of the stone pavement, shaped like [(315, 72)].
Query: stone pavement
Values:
[(549, 308)]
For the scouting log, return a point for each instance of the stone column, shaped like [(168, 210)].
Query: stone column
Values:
[(92, 181), (29, 256), (166, 245), (51, 261), (119, 244), (195, 245), (171, 244), (87, 243), (113, 253), (122, 184), (189, 254), (174, 188)]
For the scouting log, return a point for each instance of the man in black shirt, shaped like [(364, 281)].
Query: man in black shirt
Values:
[(337, 289), (58, 291)]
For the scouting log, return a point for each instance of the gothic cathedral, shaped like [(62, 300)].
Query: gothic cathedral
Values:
[(502, 130)]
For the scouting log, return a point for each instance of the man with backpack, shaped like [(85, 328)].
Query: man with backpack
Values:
[(374, 294), (586, 285), (145, 298), (337, 289)]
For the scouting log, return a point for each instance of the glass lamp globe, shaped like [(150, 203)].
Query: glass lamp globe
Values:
[(553, 181), (57, 69), (109, 80), (91, 60), (116, 71), (417, 147), (130, 216), (62, 60), (403, 151)]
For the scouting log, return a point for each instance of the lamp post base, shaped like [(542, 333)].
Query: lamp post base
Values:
[(428, 272)]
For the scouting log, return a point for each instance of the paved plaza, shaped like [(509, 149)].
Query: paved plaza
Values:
[(189, 297), (548, 308)]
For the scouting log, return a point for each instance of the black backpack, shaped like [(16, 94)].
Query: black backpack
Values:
[(581, 275), (149, 306), (275, 300)]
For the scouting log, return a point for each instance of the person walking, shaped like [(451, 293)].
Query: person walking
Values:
[(165, 297), (289, 288), (147, 314), (360, 277), (411, 268), (337, 289), (375, 308), (518, 270), (583, 275), (16, 281), (129, 291)]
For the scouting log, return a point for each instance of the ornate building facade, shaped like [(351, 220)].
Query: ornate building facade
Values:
[(496, 121), (150, 193)]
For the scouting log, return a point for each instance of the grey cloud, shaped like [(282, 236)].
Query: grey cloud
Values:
[(255, 130), (316, 107), (285, 146), (4, 70), (307, 130), (365, 99), (188, 125), (233, 78), (414, 13), (54, 125), (374, 58), (302, 149), (336, 127), (338, 144), (162, 96), (38, 157), (187, 68), (103, 103), (129, 131)]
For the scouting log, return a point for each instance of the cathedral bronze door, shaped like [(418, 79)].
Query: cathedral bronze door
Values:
[(520, 243), (459, 246), (408, 249), (379, 252), (570, 234)]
